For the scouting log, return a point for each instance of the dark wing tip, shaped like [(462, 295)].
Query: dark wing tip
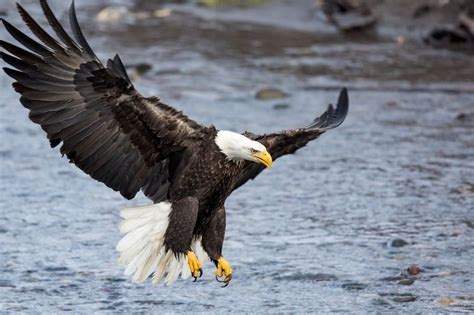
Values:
[(76, 30), (5, 22), (332, 118), (19, 7), (342, 107)]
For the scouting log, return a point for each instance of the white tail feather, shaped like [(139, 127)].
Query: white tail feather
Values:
[(198, 250), (142, 248)]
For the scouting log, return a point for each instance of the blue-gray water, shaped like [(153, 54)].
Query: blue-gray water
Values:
[(312, 234)]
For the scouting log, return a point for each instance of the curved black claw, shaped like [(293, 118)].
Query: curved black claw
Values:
[(226, 280), (200, 275)]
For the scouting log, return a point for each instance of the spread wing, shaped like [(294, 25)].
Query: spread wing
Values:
[(289, 141), (105, 126)]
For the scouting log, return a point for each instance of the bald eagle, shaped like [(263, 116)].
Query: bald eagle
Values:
[(130, 143)]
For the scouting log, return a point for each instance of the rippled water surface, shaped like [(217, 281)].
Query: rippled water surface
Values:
[(331, 229)]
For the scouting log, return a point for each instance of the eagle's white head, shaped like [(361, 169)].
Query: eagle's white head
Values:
[(237, 147)]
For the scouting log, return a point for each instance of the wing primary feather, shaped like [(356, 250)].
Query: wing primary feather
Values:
[(332, 118), (78, 33), (38, 30), (17, 75), (14, 62), (57, 27), (25, 40), (21, 53), (342, 106)]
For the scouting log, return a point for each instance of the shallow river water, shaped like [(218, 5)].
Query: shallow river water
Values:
[(331, 229)]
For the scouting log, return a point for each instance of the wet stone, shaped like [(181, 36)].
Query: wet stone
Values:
[(414, 270), (112, 14), (398, 242), (349, 16), (470, 187), (445, 301), (354, 286), (399, 297), (469, 223), (465, 117), (270, 93), (404, 298), (152, 302), (309, 277), (391, 104), (391, 279), (455, 301), (460, 35), (231, 3), (322, 277), (142, 68), (110, 279), (422, 10), (55, 269), (406, 281), (281, 106)]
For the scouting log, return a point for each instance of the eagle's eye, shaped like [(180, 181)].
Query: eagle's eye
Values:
[(253, 151)]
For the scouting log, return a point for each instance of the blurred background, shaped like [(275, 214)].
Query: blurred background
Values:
[(375, 216)]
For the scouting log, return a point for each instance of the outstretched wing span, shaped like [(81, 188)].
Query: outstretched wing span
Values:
[(288, 141), (105, 126)]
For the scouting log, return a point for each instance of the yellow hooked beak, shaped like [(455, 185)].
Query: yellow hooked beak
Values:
[(264, 157)]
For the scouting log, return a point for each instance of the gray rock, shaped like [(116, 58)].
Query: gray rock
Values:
[(406, 281), (398, 242), (404, 298), (281, 106)]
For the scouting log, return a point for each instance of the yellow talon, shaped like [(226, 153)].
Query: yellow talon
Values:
[(194, 265), (223, 269)]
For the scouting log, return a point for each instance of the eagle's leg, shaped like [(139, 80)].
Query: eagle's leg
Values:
[(212, 241), (179, 233)]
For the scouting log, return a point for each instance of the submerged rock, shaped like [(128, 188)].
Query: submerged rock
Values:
[(142, 68), (458, 36), (399, 297), (414, 270), (232, 3), (422, 10), (404, 298), (348, 15), (354, 286), (391, 103), (281, 106), (112, 14), (406, 281), (116, 14), (162, 13), (398, 242), (309, 277), (138, 70), (270, 93), (465, 117), (456, 301)]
